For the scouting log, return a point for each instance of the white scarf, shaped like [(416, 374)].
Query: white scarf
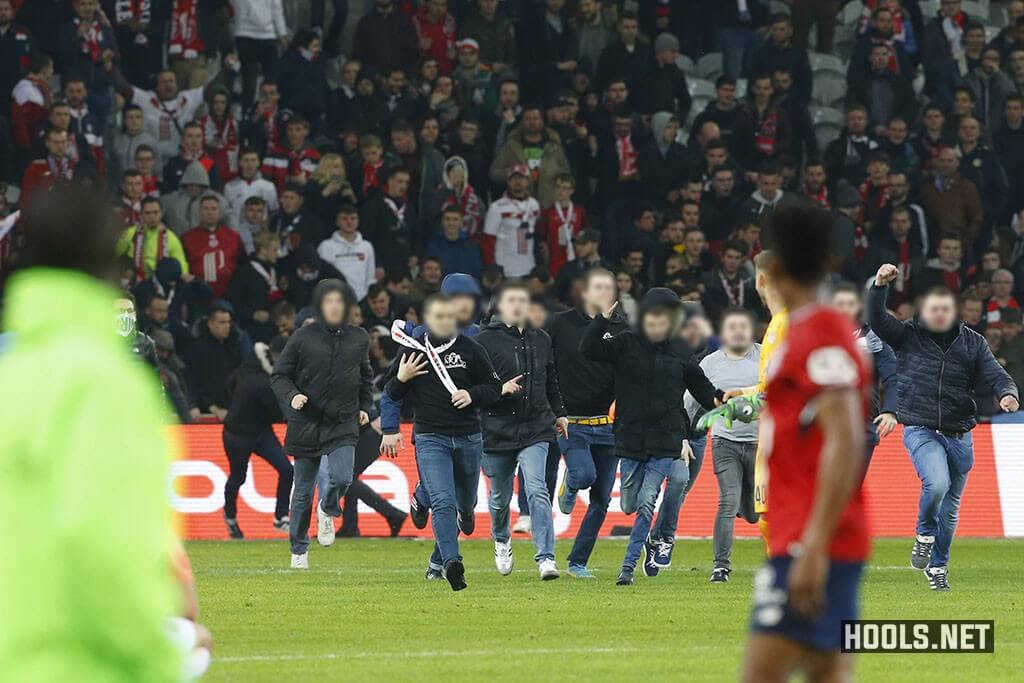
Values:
[(433, 352), (270, 277), (565, 230)]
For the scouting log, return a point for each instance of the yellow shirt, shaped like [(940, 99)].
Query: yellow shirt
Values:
[(773, 338)]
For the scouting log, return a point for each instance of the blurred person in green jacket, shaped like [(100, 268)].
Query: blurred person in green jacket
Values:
[(86, 584)]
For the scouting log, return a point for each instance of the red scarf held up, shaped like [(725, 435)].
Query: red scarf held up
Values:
[(91, 39), (627, 158), (185, 40), (371, 179)]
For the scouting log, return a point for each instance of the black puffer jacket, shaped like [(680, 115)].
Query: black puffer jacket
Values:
[(650, 381), (331, 366), (254, 408), (935, 389), (528, 416)]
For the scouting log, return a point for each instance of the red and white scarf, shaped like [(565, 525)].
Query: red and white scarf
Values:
[(127, 10), (185, 39), (270, 276), (767, 133), (432, 352), (397, 211), (735, 292), (61, 168), (820, 197), (627, 158), (139, 244), (565, 218), (91, 39)]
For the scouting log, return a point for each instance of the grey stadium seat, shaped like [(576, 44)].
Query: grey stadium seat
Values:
[(826, 63), (850, 13), (826, 115), (709, 67), (826, 133), (686, 65), (829, 90)]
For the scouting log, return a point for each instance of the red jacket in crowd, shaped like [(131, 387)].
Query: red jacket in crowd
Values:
[(282, 163), (213, 256), (42, 174), (30, 101)]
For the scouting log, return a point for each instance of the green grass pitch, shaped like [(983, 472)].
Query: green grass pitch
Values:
[(363, 612)]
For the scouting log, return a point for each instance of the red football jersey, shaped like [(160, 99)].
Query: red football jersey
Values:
[(819, 353), (213, 256)]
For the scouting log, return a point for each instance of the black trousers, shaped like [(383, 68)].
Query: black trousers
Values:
[(367, 452), (239, 449), (253, 54)]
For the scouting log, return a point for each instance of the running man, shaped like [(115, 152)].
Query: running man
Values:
[(588, 388), (812, 439)]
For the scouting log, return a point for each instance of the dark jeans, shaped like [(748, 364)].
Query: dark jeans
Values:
[(340, 462), (590, 464), (450, 471), (736, 46), (641, 484), (367, 453), (676, 490), (239, 449), (318, 18), (253, 54)]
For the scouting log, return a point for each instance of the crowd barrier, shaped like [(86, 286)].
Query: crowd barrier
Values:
[(993, 503)]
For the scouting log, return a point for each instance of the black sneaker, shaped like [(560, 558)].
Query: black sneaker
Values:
[(467, 523), (719, 575), (396, 522), (418, 513), (281, 524), (938, 579), (234, 530), (649, 565), (921, 555), (663, 552), (434, 574), (455, 572), (625, 577)]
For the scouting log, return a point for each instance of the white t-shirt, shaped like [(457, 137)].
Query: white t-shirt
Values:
[(161, 116), (512, 223), (239, 190)]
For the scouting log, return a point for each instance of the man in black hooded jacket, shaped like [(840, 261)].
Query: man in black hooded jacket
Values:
[(324, 380), (654, 368)]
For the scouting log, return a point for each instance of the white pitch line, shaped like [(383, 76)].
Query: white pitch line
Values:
[(426, 654)]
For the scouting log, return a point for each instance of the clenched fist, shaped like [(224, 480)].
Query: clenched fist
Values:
[(886, 274), (298, 401)]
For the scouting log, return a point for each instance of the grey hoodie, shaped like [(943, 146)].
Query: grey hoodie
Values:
[(181, 209)]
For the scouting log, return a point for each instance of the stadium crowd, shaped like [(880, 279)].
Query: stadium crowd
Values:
[(252, 149)]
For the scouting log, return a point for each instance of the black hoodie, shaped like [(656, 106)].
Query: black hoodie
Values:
[(331, 366), (254, 408), (650, 381)]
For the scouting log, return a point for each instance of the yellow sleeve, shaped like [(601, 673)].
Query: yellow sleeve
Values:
[(124, 242), (773, 337), (177, 251)]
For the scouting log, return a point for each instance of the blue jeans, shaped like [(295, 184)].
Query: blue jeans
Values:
[(676, 490), (550, 476), (450, 471), (590, 463), (339, 463), (736, 45), (942, 464), (500, 468), (641, 484)]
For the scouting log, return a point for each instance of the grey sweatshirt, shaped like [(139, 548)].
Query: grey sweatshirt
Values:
[(728, 373)]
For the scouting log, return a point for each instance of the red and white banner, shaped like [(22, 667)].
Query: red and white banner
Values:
[(993, 504)]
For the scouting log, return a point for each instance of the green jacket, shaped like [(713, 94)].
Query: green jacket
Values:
[(85, 574)]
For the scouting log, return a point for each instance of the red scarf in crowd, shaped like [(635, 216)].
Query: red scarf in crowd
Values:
[(767, 135), (138, 248), (627, 158), (371, 179), (872, 199), (91, 39), (820, 197), (468, 205), (127, 10), (185, 40), (226, 156)]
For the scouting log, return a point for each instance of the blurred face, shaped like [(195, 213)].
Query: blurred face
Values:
[(347, 223), (430, 272), (167, 85), (1014, 112), (970, 311), (781, 32), (974, 39), (60, 117), (514, 306), (270, 94), (192, 139), (990, 61), (440, 319), (737, 333), (898, 186), (949, 8), (762, 89), (656, 326), (934, 120), (768, 184), (848, 304), (538, 315), (488, 7), (628, 30), (963, 105), (86, 9), (900, 225), (220, 105), (634, 261), (990, 262), (617, 92), (950, 251), (219, 324), (731, 261), (151, 214), (723, 183), (1002, 285), (57, 143), (430, 131), (209, 213), (624, 282), (716, 157), (518, 186), (509, 95), (350, 72), (695, 242), (6, 12), (896, 131), (156, 310), (132, 187), (133, 121), (254, 213), (468, 132), (332, 308), (249, 165), (296, 134), (144, 162), (398, 184), (563, 192), (533, 122), (857, 121), (782, 81), (451, 224), (75, 93), (814, 178), (938, 312), (970, 131), (291, 202), (879, 58), (600, 293), (947, 163), (380, 304), (468, 58), (395, 82), (585, 249), (672, 233), (691, 215), (623, 127), (465, 309)]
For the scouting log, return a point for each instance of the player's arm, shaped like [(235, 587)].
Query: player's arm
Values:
[(840, 419)]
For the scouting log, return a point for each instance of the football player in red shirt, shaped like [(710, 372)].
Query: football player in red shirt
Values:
[(818, 385)]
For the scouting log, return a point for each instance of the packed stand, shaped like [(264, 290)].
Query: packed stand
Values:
[(251, 155)]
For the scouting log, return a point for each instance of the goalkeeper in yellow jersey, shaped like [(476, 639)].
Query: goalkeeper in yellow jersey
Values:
[(744, 404)]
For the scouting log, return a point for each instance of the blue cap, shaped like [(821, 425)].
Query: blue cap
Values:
[(460, 284)]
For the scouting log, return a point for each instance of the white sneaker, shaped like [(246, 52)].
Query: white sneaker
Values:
[(503, 557), (324, 527), (522, 525), (548, 570), (300, 561)]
